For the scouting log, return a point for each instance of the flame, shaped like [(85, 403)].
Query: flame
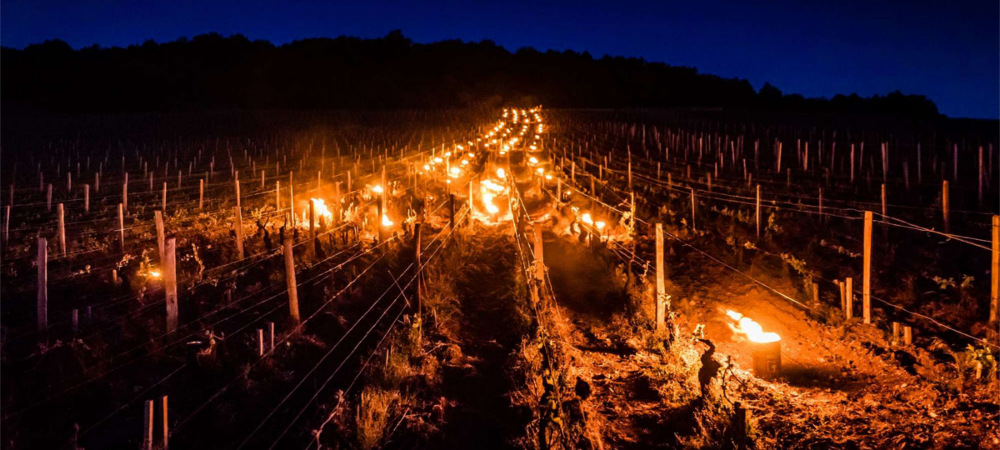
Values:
[(501, 174), (587, 219), (751, 329), (377, 189), (385, 221), (322, 212), (154, 273), (488, 201)]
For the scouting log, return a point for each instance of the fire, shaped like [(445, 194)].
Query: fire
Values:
[(154, 273), (377, 189), (322, 212), (751, 329), (488, 201), (385, 221)]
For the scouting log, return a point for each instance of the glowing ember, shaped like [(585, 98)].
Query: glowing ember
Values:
[(501, 174), (154, 273), (587, 219), (385, 221), (750, 328), (377, 189), (600, 225)]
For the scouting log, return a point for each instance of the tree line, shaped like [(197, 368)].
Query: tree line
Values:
[(215, 72)]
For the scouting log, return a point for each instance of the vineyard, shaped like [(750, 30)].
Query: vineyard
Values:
[(526, 277)]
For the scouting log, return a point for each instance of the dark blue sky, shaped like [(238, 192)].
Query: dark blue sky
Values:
[(949, 51)]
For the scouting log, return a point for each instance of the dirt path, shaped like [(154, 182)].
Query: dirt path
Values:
[(592, 296), (490, 328)]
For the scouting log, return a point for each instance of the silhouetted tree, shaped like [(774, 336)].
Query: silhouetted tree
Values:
[(211, 72)]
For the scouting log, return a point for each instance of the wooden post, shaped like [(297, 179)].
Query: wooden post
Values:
[(161, 243), (86, 198), (945, 203), (380, 229), (166, 425), (147, 425), (291, 197), (271, 328), (907, 335), (125, 194), (121, 225), (849, 299), (980, 175), (451, 213), (48, 197), (312, 218), (260, 342), (539, 253), (277, 195), (821, 204), (661, 290), (239, 231), (885, 225), (43, 284), (757, 211), (293, 293), (62, 229), (416, 259), (164, 201), (170, 282), (995, 275), (895, 333), (237, 181), (692, 209), (867, 271)]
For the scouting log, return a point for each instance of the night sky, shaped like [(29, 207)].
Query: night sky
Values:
[(949, 51)]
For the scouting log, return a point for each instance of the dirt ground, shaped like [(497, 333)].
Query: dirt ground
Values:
[(840, 386)]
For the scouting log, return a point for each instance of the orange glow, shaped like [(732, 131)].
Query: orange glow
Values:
[(750, 328)]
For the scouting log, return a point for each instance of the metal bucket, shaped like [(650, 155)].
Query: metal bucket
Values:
[(766, 359)]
